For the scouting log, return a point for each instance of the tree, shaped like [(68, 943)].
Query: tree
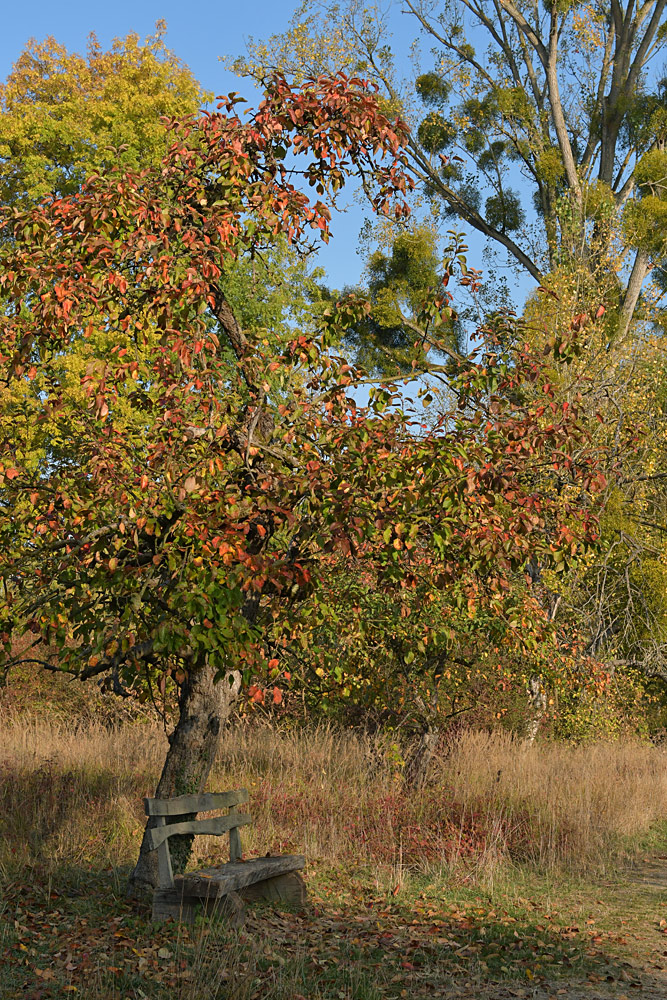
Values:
[(617, 599), (64, 116), (136, 531), (178, 515), (388, 341), (557, 98)]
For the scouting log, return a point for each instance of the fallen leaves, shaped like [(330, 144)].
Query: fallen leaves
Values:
[(403, 945)]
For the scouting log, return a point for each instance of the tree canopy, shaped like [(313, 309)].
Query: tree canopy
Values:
[(64, 116)]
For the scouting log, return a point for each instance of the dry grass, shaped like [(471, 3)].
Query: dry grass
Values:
[(70, 808), (73, 796)]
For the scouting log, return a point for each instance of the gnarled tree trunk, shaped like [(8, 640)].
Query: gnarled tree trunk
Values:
[(417, 765), (204, 708)]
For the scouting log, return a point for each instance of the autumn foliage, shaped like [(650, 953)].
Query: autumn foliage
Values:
[(180, 498), (177, 500)]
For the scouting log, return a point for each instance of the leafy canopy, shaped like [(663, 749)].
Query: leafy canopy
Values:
[(185, 507), (65, 116)]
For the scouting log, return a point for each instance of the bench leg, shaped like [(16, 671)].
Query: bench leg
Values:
[(288, 888), (230, 909), (169, 903), (185, 909)]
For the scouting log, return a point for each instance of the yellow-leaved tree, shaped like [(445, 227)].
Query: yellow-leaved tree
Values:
[(64, 116)]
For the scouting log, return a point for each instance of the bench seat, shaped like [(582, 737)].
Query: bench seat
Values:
[(223, 890), (211, 883)]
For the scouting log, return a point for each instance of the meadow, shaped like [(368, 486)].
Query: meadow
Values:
[(510, 868)]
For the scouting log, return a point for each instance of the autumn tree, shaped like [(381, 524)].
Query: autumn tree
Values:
[(181, 509), (64, 116), (615, 599), (521, 113)]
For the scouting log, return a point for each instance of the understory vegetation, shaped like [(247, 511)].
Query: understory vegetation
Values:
[(74, 794)]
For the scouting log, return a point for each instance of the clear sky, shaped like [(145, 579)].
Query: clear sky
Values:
[(199, 32)]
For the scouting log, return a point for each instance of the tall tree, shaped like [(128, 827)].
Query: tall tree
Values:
[(180, 509), (65, 116), (521, 110)]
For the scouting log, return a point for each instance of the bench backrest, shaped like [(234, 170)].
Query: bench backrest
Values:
[(185, 805)]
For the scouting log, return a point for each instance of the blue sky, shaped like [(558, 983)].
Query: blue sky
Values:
[(199, 32)]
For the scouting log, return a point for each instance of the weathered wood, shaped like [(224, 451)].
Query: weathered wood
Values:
[(287, 888), (214, 826), (211, 883), (229, 908), (182, 804), (271, 878), (165, 874), (185, 909), (169, 903), (235, 849)]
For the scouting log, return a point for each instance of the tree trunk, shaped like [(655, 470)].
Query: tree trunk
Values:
[(537, 704), (417, 765), (204, 708)]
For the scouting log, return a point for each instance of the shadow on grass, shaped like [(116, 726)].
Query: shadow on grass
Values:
[(48, 811), (69, 931)]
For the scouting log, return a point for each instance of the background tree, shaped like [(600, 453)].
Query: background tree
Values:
[(520, 114), (400, 278), (65, 116)]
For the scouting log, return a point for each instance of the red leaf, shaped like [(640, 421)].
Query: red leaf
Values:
[(277, 696)]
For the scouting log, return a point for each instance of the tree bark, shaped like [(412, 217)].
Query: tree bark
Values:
[(537, 703), (640, 269), (204, 708), (417, 765)]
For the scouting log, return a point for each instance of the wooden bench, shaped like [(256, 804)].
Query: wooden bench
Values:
[(223, 889)]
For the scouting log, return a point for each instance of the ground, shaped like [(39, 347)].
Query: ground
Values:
[(363, 937)]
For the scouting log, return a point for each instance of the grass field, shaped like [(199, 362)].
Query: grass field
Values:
[(510, 866)]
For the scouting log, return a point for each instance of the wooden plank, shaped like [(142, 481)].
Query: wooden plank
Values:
[(210, 883), (214, 827), (165, 874), (183, 804)]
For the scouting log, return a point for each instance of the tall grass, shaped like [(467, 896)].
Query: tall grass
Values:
[(72, 796)]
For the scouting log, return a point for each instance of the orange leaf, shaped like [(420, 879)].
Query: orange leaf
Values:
[(277, 696)]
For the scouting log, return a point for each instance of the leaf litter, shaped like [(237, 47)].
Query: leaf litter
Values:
[(349, 942)]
